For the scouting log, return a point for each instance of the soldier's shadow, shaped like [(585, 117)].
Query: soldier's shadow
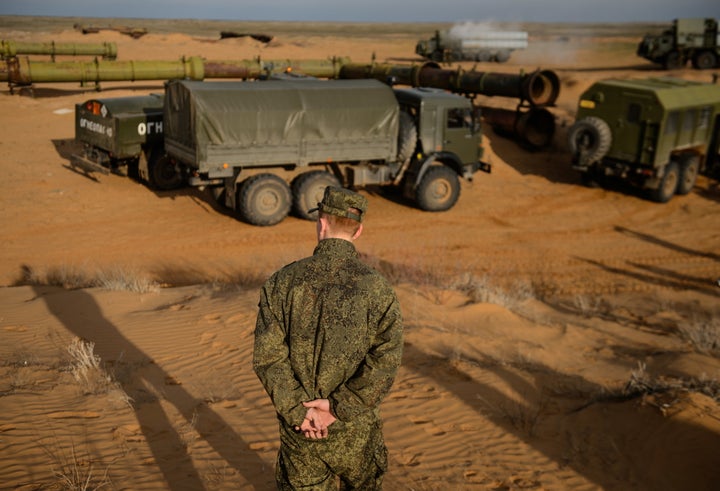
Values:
[(83, 317)]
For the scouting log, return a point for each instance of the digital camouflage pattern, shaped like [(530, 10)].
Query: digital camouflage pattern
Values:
[(329, 327), (342, 202)]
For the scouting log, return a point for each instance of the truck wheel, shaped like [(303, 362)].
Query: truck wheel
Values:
[(163, 172), (668, 184), (673, 61), (591, 179), (705, 60), (591, 138), (263, 199), (438, 190), (502, 56), (407, 137), (689, 169), (308, 189)]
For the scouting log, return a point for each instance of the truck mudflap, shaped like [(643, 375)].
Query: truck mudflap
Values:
[(86, 166), (471, 169)]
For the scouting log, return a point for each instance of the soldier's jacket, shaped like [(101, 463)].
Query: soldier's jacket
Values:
[(328, 327)]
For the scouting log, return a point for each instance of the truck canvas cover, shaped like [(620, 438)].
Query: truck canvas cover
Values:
[(274, 122)]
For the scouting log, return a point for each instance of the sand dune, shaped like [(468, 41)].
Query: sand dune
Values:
[(557, 337)]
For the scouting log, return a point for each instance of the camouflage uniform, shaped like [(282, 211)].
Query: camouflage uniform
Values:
[(329, 327)]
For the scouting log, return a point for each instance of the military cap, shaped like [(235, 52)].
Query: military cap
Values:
[(338, 201)]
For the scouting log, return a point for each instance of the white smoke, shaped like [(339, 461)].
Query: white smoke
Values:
[(469, 30)]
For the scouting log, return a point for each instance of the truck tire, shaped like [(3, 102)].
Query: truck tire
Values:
[(438, 190), (704, 60), (407, 137), (164, 173), (689, 170), (263, 199), (674, 60), (668, 184), (590, 137), (502, 56), (308, 189)]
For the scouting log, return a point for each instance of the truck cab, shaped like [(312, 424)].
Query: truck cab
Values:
[(448, 146), (694, 39)]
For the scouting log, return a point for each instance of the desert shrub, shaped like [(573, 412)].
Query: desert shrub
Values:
[(124, 280), (85, 367), (642, 383), (75, 471), (703, 334), (482, 290), (87, 371), (73, 277)]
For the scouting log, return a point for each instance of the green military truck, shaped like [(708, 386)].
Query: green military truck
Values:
[(124, 135), (267, 148), (695, 40), (655, 133)]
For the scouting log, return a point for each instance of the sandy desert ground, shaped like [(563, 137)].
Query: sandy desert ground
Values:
[(557, 337)]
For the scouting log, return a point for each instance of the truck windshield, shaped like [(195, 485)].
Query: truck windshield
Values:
[(460, 118)]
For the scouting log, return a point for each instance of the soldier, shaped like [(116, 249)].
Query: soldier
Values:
[(328, 344)]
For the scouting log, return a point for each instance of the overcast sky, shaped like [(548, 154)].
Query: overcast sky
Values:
[(375, 10)]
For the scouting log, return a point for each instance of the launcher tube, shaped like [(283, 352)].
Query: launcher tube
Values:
[(9, 49), (22, 71), (534, 127), (539, 88)]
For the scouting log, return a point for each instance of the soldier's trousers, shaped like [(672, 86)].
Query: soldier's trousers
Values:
[(354, 453)]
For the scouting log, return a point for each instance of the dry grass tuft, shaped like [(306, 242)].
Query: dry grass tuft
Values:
[(641, 383), (86, 369), (76, 471), (124, 280), (482, 290), (524, 417), (73, 278), (703, 334)]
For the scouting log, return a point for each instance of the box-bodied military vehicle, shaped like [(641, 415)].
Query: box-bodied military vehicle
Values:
[(266, 148), (695, 40), (655, 133)]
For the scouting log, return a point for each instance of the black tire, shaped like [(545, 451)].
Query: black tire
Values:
[(589, 179), (439, 189), (308, 189), (502, 56), (705, 60), (668, 184), (407, 137), (164, 173), (263, 200), (590, 137), (689, 170), (133, 168), (673, 61)]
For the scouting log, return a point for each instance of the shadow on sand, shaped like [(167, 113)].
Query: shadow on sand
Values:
[(85, 319)]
